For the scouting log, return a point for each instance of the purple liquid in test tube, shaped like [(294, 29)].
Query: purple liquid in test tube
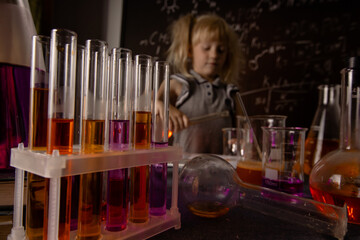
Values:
[(158, 186), (119, 138), (118, 187), (159, 137)]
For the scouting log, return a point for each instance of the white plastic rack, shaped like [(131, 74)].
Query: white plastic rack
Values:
[(56, 166)]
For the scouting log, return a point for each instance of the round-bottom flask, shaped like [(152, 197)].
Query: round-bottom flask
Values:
[(335, 179), (209, 187)]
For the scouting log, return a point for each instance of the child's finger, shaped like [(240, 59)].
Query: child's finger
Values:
[(185, 120)]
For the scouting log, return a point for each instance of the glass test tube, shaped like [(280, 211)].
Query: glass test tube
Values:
[(39, 92), (159, 137), (120, 112), (63, 45), (141, 127), (93, 137), (75, 181)]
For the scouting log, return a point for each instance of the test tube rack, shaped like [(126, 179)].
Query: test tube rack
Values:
[(56, 166)]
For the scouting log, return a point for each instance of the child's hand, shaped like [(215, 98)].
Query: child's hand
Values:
[(177, 119)]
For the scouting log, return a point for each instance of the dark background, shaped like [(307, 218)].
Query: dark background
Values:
[(289, 47)]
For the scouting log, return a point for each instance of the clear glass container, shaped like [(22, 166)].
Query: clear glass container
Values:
[(209, 186), (16, 31), (323, 136), (335, 179), (249, 166), (56, 166)]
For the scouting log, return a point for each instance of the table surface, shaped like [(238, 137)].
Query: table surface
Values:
[(241, 223), (238, 223)]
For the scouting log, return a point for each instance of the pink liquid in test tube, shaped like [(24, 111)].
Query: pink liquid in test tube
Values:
[(120, 110), (159, 137), (118, 180)]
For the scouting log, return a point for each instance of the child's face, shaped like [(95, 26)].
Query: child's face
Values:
[(208, 57)]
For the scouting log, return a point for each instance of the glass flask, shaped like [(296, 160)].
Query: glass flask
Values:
[(335, 179), (323, 136), (209, 187), (16, 31)]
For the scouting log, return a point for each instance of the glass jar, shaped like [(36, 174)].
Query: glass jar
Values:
[(335, 179), (323, 136)]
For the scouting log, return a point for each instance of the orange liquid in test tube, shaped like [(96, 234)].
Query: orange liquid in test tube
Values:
[(60, 126), (36, 184), (90, 198), (139, 191), (93, 138), (39, 131), (61, 139), (61, 136)]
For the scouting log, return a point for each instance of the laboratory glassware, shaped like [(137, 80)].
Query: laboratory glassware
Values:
[(335, 177)]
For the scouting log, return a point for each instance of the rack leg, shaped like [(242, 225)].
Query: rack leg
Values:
[(54, 208), (174, 210), (175, 182), (17, 231)]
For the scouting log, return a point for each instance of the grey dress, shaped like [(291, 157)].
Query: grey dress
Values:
[(200, 97)]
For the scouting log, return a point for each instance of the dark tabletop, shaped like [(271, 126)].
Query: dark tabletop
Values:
[(241, 223)]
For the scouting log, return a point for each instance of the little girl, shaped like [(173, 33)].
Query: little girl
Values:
[(204, 53)]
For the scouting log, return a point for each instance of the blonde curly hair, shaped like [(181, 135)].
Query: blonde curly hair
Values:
[(188, 30)]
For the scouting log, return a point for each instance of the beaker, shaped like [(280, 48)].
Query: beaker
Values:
[(230, 143), (335, 179), (209, 186), (249, 167), (283, 159), (323, 136)]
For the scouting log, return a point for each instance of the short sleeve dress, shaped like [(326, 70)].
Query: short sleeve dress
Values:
[(200, 97)]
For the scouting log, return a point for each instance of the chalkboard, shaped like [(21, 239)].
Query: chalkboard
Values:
[(289, 46)]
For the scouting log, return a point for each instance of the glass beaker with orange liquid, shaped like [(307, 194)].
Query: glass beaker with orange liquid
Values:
[(249, 167)]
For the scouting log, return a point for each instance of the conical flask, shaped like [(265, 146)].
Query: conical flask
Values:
[(323, 136), (335, 179), (16, 31)]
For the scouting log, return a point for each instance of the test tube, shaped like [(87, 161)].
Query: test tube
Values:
[(159, 137), (75, 181), (120, 112), (93, 137), (39, 92), (141, 127), (80, 71), (61, 103)]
